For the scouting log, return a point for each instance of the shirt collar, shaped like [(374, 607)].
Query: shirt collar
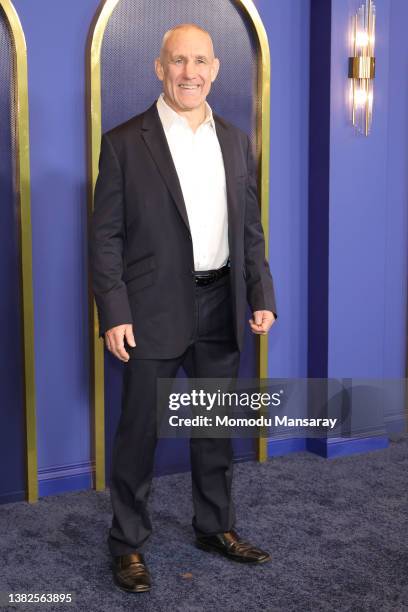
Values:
[(169, 117)]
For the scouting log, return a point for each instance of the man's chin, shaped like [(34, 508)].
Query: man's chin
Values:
[(191, 105)]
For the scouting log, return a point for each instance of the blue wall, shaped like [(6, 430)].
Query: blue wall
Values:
[(56, 35), (57, 131), (367, 248), (368, 216), (362, 317), (358, 213), (396, 229), (287, 25)]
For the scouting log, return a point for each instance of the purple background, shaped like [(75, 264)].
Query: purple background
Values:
[(367, 214)]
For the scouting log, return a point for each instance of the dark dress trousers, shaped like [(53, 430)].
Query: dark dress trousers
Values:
[(142, 269)]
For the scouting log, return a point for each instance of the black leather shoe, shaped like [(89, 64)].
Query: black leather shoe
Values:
[(230, 545), (131, 574)]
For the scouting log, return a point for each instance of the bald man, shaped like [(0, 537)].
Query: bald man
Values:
[(177, 250)]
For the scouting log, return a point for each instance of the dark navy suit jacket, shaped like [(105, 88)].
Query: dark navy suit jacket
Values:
[(141, 250)]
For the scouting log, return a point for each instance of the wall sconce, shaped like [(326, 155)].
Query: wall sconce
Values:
[(362, 67)]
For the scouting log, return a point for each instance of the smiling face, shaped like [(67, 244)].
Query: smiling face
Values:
[(187, 67)]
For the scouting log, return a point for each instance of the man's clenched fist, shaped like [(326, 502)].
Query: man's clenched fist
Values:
[(114, 339), (262, 322)]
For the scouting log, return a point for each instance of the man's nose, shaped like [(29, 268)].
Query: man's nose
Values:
[(189, 70)]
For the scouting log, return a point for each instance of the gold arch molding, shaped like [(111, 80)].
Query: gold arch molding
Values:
[(22, 191), (95, 39)]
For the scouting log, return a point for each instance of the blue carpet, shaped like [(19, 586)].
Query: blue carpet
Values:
[(337, 531)]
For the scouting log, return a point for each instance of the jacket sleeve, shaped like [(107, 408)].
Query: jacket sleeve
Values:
[(107, 237), (260, 289)]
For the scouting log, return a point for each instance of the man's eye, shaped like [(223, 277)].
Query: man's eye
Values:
[(178, 61)]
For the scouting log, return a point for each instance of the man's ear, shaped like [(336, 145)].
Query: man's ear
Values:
[(159, 69), (214, 69)]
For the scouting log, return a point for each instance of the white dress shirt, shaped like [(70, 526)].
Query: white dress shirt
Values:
[(198, 160)]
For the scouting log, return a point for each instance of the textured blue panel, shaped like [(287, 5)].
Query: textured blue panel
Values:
[(129, 85), (12, 477), (132, 42)]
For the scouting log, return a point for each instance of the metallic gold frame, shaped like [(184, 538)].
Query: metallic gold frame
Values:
[(263, 145), (22, 186), (93, 59)]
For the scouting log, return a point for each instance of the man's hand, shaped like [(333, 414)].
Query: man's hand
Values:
[(262, 322), (114, 339)]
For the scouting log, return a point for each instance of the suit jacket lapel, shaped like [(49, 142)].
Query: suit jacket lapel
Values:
[(156, 141), (227, 150)]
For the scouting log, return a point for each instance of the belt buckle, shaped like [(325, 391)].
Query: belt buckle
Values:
[(205, 279)]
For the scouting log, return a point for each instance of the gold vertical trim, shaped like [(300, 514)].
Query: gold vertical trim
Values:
[(94, 109), (263, 145), (22, 182), (93, 61)]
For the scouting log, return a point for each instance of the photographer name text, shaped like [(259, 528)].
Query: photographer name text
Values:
[(260, 421)]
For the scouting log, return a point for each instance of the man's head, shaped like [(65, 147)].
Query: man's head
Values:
[(186, 66)]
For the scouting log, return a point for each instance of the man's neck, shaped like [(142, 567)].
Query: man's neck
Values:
[(195, 117)]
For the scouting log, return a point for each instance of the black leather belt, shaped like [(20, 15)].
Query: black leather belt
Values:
[(206, 277)]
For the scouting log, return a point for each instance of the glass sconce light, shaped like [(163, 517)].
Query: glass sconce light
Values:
[(362, 67)]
